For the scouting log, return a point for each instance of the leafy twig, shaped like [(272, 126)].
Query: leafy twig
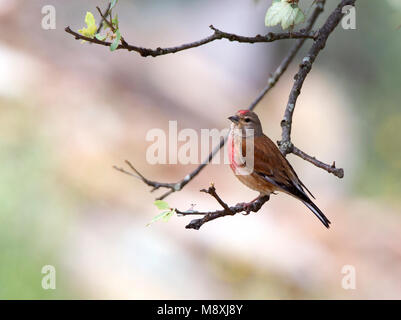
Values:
[(217, 35)]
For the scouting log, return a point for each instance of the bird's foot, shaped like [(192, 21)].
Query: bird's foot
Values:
[(254, 205), (248, 206)]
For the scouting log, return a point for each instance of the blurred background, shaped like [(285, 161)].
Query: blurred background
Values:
[(70, 111)]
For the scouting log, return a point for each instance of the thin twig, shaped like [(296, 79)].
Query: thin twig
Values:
[(154, 184), (226, 211), (338, 172), (110, 24), (102, 15), (104, 18), (217, 35)]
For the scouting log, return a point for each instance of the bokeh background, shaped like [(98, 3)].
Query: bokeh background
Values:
[(70, 111)]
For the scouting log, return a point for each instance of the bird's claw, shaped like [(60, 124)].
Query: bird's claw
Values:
[(247, 207)]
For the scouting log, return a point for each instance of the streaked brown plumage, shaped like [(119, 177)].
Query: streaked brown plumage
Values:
[(271, 170)]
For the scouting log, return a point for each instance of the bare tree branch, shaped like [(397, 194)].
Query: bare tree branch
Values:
[(217, 35), (226, 211), (273, 79), (173, 187), (338, 172), (324, 32)]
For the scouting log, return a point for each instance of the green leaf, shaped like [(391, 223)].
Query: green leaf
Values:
[(162, 205), (115, 22), (283, 12), (168, 215), (299, 17), (165, 216), (158, 217), (91, 28), (113, 4), (276, 12), (100, 37), (289, 20), (116, 41)]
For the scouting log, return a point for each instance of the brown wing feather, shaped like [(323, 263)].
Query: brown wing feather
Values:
[(269, 161), (272, 166)]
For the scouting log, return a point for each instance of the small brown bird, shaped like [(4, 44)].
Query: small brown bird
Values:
[(271, 171)]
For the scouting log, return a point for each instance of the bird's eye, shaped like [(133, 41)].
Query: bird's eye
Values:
[(247, 120)]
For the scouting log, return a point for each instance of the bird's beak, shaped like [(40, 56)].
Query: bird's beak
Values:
[(234, 119)]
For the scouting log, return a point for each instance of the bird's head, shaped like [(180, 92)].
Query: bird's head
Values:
[(245, 119)]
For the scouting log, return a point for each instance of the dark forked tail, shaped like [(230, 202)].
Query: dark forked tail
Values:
[(317, 212), (295, 188)]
